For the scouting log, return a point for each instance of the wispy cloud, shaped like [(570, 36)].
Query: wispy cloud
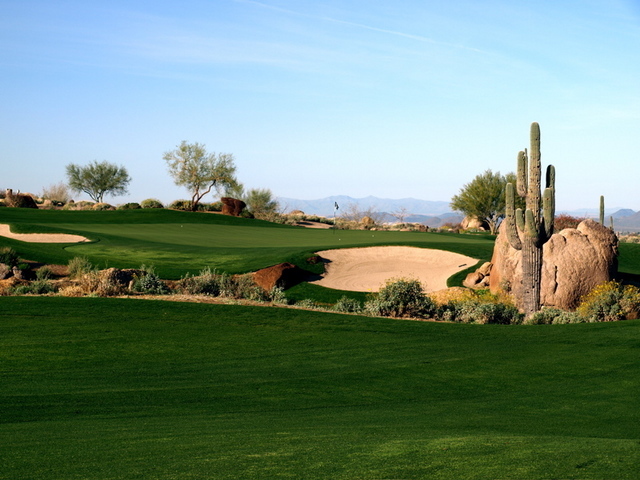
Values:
[(417, 38)]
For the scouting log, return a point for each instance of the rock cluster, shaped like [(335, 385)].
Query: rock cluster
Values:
[(479, 278), (575, 260), (19, 200)]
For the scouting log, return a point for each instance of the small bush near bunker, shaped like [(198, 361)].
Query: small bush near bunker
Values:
[(401, 298), (348, 305)]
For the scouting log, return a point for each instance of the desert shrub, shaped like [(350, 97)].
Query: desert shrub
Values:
[(565, 221), (71, 291), (181, 205), (44, 273), (9, 256), (148, 282), (79, 266), (244, 287), (568, 317), (210, 207), (208, 282), (609, 302), (401, 298), (630, 238), (307, 303), (39, 287), (95, 282), (479, 311), (129, 206), (348, 305), (151, 203), (81, 205), (546, 316), (278, 296), (102, 207), (58, 194)]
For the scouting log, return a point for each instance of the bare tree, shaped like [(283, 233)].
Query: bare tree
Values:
[(400, 214)]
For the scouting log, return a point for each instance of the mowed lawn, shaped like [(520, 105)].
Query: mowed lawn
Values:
[(179, 242), (133, 389)]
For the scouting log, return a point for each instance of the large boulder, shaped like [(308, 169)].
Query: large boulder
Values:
[(367, 222), (232, 206), (5, 271), (283, 275), (471, 222), (575, 260)]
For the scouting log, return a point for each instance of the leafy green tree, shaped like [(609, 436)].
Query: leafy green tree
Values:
[(98, 179), (484, 198), (260, 202), (192, 167)]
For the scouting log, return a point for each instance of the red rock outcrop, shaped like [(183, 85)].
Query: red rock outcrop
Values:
[(232, 206), (283, 275)]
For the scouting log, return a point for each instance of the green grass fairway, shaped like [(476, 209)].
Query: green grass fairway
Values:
[(130, 389), (179, 242)]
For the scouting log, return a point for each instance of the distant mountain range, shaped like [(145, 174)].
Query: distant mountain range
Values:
[(431, 213), (325, 206)]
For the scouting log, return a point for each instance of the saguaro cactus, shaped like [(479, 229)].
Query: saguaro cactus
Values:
[(528, 231), (602, 210)]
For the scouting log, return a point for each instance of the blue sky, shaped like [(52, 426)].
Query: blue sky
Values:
[(410, 98)]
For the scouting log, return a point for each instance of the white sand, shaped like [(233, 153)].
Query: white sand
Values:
[(367, 269), (5, 231)]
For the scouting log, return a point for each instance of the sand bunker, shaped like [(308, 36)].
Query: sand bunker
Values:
[(5, 231), (367, 269)]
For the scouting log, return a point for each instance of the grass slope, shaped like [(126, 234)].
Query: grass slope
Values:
[(180, 242), (130, 389)]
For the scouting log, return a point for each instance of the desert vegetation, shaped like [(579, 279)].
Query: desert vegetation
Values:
[(404, 298)]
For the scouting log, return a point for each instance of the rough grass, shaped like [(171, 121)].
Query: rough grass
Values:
[(109, 388)]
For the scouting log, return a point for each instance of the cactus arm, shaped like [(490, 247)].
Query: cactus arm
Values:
[(522, 178), (510, 218), (551, 177), (602, 210), (520, 219), (548, 214)]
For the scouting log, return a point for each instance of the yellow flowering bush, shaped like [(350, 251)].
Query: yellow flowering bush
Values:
[(609, 302)]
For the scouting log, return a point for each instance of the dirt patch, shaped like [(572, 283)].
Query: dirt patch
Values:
[(5, 231), (367, 269)]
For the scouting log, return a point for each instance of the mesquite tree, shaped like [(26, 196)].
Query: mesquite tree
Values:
[(192, 167), (530, 229), (98, 179)]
